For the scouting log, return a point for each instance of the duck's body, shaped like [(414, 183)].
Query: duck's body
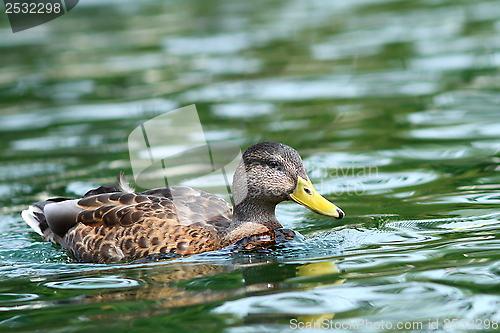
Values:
[(112, 223)]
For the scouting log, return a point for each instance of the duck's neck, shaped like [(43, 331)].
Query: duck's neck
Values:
[(256, 212), (252, 214), (251, 218)]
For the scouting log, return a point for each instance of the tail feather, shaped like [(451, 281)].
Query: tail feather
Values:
[(30, 216), (35, 215)]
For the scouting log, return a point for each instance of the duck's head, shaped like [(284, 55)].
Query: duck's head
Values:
[(270, 173)]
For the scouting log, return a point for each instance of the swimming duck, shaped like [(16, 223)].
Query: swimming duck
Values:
[(112, 223)]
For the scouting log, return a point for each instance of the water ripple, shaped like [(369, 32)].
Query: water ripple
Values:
[(94, 283), (374, 183), (343, 160), (307, 88), (492, 198), (14, 297), (458, 132), (305, 302), (243, 110), (25, 170), (436, 152), (339, 299), (84, 113)]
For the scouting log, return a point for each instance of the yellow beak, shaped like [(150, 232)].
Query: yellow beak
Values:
[(306, 195)]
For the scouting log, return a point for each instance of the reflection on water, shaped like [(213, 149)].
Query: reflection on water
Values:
[(393, 105), (175, 286)]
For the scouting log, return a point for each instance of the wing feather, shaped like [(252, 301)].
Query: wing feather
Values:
[(109, 224)]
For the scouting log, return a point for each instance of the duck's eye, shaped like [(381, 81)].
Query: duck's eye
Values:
[(273, 164)]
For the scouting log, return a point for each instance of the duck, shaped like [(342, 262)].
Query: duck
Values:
[(113, 223)]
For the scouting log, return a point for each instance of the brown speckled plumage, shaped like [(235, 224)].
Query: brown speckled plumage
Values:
[(112, 224), (126, 226)]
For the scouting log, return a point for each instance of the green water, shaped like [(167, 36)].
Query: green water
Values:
[(394, 106)]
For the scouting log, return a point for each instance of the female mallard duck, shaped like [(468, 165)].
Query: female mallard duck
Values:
[(112, 223)]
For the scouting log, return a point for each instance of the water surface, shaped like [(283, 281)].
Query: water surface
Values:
[(392, 104)]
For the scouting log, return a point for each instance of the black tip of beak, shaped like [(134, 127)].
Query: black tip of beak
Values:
[(341, 214)]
